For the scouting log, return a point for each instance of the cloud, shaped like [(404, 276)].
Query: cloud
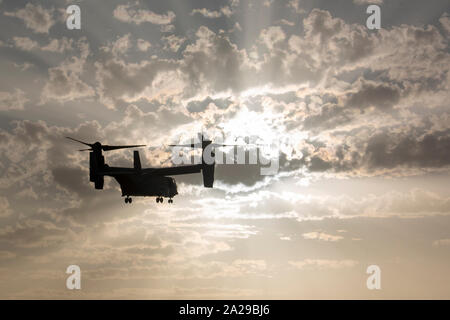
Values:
[(386, 150), (121, 81), (6, 255), (225, 11), (36, 18), (321, 236), (202, 105), (13, 101), (296, 5), (363, 2), (271, 36), (4, 208), (382, 96), (445, 22), (54, 45), (320, 264), (441, 243), (24, 43), (173, 43), (64, 81), (143, 45), (59, 45), (262, 204), (214, 62), (24, 66), (120, 46), (130, 13)]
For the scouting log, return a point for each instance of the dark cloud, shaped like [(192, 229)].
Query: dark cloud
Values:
[(199, 106), (382, 96), (73, 180), (119, 80), (215, 62), (429, 151)]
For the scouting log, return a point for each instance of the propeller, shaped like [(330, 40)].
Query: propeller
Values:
[(98, 145)]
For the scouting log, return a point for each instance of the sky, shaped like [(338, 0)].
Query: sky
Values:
[(358, 120)]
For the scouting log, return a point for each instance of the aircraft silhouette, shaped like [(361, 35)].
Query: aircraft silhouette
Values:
[(146, 182)]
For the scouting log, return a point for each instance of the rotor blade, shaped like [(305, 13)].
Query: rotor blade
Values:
[(85, 143), (218, 145), (186, 145), (85, 149), (108, 148)]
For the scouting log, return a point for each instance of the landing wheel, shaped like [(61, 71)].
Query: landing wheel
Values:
[(157, 199), (170, 201), (128, 200), (161, 199)]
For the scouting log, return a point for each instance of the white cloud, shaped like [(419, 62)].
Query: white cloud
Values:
[(25, 43), (12, 101), (320, 264), (130, 82), (445, 22), (64, 82), (173, 43), (296, 5), (59, 45), (5, 210), (321, 236), (36, 18), (54, 45), (225, 11), (143, 45), (120, 46), (271, 36), (132, 14)]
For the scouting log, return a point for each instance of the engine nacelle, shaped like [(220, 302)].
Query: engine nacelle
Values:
[(96, 162), (208, 175), (99, 182)]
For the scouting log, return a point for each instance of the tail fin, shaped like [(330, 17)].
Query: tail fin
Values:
[(137, 161)]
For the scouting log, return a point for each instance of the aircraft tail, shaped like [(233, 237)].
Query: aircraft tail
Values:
[(137, 161)]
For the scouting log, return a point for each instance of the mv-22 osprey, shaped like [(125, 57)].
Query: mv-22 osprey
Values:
[(146, 182)]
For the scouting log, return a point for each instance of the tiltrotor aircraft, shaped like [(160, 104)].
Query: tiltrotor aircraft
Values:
[(145, 182)]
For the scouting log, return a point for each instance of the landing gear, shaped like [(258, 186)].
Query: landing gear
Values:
[(161, 200), (128, 200)]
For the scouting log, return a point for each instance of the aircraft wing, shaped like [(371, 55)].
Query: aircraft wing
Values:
[(172, 171), (116, 171), (167, 171)]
